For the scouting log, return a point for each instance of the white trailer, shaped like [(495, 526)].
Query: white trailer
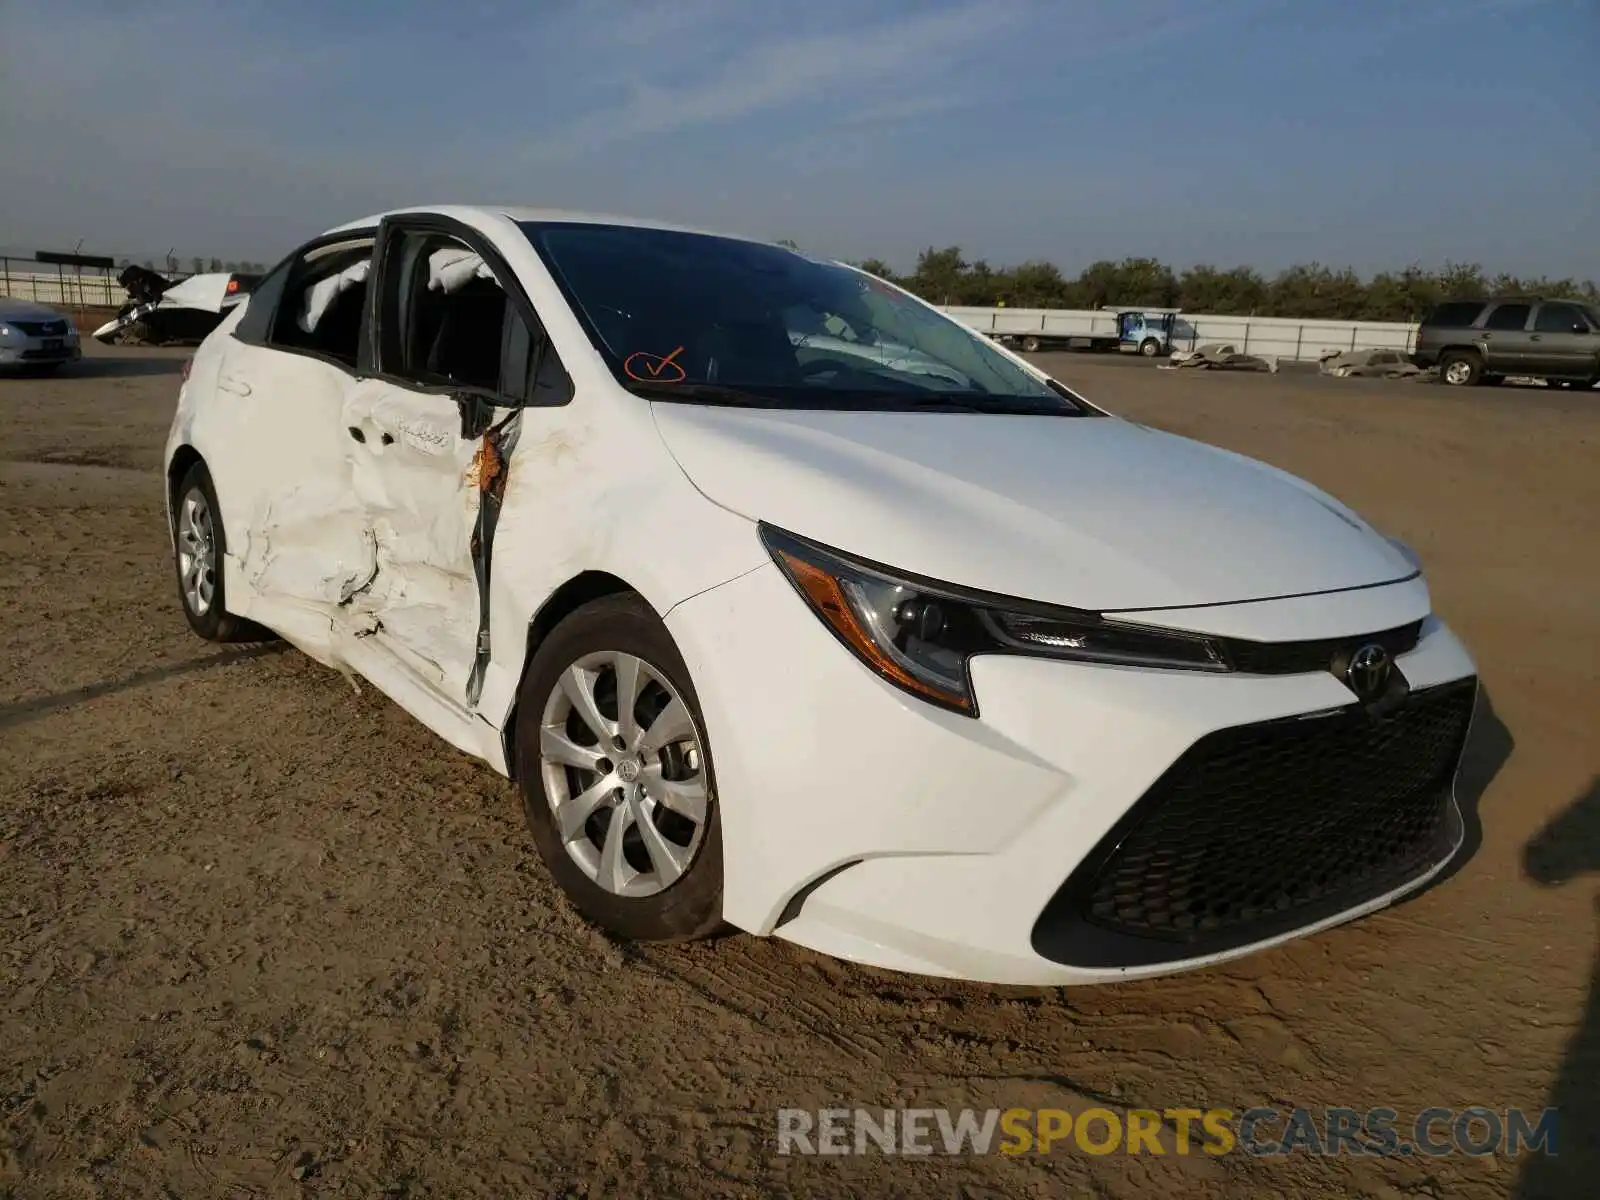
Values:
[(1136, 329), (1289, 338)]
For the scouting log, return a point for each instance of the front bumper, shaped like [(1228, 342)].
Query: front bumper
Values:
[(866, 825), (33, 352)]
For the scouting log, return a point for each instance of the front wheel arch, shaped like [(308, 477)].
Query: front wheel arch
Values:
[(581, 589)]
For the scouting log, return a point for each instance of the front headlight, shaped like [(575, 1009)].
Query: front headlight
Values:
[(920, 635), (5, 330)]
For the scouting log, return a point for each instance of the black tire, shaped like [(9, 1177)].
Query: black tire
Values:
[(688, 908), (1149, 347), (1030, 345), (213, 621), (1468, 368)]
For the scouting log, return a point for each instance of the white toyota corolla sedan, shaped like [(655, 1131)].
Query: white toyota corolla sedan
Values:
[(791, 603)]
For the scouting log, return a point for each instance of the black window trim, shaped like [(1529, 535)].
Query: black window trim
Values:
[(1573, 306), (371, 365), (1433, 320), (1495, 306), (292, 262)]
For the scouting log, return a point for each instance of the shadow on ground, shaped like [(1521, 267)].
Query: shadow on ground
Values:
[(101, 366), (1564, 850), (24, 711)]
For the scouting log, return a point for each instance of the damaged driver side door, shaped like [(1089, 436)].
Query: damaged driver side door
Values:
[(457, 356)]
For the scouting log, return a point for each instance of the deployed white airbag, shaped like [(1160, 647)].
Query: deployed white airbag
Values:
[(452, 269), (323, 293)]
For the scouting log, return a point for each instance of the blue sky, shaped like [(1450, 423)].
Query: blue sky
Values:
[(1357, 132)]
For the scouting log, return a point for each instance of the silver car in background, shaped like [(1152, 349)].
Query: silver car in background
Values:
[(35, 337)]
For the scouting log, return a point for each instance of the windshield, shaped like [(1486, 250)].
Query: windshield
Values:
[(701, 319)]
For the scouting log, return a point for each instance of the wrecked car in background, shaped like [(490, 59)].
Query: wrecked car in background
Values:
[(876, 638), (160, 312), (1218, 356), (1368, 364)]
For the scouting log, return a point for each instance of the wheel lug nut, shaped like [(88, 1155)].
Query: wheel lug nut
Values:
[(603, 766)]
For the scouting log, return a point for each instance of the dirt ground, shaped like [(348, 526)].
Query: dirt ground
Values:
[(263, 935)]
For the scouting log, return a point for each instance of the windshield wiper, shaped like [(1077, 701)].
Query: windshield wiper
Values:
[(1022, 406), (705, 393)]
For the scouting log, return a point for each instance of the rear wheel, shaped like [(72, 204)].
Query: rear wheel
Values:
[(616, 776), (199, 544), (1030, 345), (1461, 368)]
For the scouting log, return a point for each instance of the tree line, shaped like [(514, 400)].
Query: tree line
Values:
[(1311, 290)]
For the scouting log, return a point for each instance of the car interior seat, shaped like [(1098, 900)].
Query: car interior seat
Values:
[(466, 344)]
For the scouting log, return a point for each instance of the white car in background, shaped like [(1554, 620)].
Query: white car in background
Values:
[(36, 338), (914, 657)]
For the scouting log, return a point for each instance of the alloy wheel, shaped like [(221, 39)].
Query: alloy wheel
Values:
[(197, 552), (623, 768)]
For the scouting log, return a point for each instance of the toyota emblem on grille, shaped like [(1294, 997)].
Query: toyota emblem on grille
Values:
[(1368, 672)]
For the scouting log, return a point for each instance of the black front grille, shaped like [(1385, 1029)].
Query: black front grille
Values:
[(1301, 658), (1261, 829), (40, 328)]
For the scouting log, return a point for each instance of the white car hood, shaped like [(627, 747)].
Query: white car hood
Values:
[(1096, 512)]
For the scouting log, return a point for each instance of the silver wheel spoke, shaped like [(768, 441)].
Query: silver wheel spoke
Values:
[(686, 797), (632, 675), (672, 724), (570, 817), (196, 552), (614, 870), (578, 685), (558, 747), (666, 858)]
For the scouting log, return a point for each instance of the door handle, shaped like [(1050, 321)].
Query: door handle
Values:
[(1536, 338)]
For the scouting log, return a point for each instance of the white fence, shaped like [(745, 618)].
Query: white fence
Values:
[(23, 279), (1289, 338)]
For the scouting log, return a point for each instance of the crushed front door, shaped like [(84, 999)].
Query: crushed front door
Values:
[(429, 471)]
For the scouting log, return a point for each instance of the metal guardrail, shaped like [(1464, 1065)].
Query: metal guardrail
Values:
[(66, 286)]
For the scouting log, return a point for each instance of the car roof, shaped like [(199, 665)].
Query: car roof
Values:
[(521, 214)]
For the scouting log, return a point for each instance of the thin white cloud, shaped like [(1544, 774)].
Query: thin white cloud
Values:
[(786, 71)]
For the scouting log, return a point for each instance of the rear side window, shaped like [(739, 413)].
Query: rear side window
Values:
[(320, 311), (1560, 318), (1458, 314), (1509, 316)]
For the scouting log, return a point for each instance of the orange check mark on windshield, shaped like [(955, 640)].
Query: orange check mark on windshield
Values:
[(652, 368)]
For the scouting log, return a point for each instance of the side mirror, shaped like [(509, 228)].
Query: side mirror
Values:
[(1580, 327)]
